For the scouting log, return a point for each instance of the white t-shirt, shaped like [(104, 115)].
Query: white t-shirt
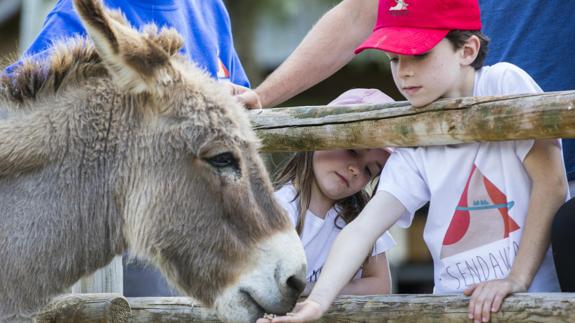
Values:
[(478, 193), (319, 234)]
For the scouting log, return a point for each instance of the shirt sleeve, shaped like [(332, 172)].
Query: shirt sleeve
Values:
[(522, 148), (511, 79), (285, 198), (514, 80), (383, 244), (401, 177)]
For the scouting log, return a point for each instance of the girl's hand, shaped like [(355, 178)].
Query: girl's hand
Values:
[(305, 311), (488, 296)]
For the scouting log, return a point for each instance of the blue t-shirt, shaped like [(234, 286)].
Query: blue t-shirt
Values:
[(204, 25), (536, 36)]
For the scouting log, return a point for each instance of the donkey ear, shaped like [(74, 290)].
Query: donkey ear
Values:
[(132, 59), (167, 38)]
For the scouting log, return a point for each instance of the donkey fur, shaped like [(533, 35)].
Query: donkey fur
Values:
[(125, 145)]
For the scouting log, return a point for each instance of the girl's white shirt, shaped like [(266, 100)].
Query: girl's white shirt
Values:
[(319, 234)]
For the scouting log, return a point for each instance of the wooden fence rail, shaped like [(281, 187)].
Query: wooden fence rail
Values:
[(550, 307), (453, 121), (543, 307)]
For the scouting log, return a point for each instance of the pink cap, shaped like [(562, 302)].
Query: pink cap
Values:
[(362, 96)]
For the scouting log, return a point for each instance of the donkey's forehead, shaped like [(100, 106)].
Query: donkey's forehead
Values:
[(201, 120), (197, 97), (193, 105)]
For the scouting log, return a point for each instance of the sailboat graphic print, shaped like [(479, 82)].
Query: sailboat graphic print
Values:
[(481, 217)]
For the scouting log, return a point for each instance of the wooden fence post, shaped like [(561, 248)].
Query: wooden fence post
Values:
[(108, 279), (86, 308)]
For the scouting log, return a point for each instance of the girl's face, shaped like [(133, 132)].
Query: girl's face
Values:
[(342, 173), (436, 74)]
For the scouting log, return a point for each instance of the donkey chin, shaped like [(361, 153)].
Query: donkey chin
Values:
[(270, 288)]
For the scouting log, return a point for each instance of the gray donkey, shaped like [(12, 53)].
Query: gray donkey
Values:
[(124, 145)]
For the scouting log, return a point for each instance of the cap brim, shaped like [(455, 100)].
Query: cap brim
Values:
[(403, 40)]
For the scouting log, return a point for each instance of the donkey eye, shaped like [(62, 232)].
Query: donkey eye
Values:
[(223, 160)]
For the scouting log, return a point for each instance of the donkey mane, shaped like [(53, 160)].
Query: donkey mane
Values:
[(70, 61), (73, 58)]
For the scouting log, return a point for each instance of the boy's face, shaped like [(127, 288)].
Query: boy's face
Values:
[(436, 74)]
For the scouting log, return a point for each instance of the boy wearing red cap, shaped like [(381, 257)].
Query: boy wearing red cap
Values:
[(491, 203)]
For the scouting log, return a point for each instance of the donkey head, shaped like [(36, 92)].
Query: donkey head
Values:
[(194, 194)]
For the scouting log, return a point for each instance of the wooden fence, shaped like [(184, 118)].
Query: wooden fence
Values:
[(84, 308), (445, 122)]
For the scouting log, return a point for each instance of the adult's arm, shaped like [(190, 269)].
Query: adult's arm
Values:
[(326, 48)]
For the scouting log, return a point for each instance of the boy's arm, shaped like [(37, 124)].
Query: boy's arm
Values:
[(326, 48), (347, 254), (549, 188)]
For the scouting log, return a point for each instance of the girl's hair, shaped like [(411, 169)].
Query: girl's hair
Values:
[(298, 169), (458, 38)]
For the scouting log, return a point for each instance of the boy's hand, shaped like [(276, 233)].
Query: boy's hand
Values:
[(488, 296), (305, 311)]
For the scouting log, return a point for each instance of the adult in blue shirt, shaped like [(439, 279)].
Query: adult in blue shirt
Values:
[(530, 34), (205, 27)]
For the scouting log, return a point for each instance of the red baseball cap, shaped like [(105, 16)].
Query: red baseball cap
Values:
[(413, 27)]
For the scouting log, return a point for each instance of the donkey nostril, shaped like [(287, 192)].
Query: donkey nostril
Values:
[(296, 284)]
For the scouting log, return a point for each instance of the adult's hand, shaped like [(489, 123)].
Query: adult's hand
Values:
[(247, 97)]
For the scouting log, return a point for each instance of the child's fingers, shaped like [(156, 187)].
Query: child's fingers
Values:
[(291, 318), (473, 310), (497, 302), (487, 298), (478, 309), (487, 305), (303, 312), (285, 319), (469, 290)]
